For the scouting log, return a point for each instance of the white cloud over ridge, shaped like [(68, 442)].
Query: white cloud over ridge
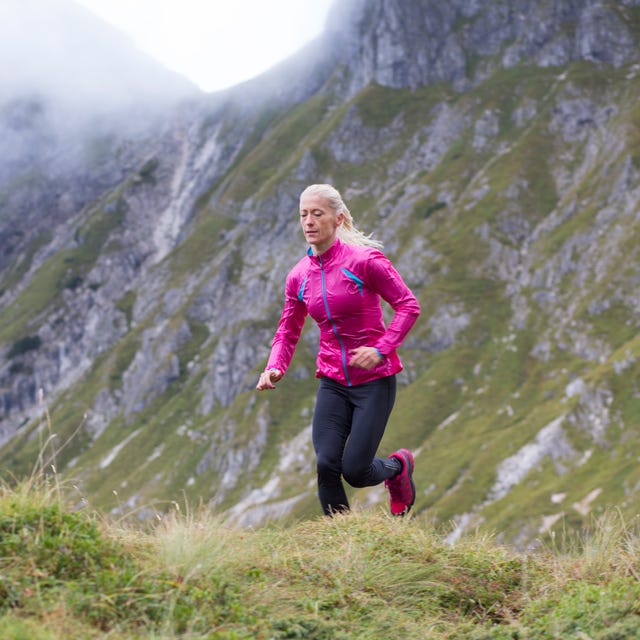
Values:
[(59, 50)]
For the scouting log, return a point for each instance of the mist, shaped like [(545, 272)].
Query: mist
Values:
[(76, 99), (60, 52), (69, 82)]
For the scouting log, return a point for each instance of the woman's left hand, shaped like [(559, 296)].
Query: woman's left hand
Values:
[(365, 357)]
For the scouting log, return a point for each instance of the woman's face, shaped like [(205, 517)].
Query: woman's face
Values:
[(319, 222)]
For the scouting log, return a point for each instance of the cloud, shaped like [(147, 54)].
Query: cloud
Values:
[(217, 44), (59, 50)]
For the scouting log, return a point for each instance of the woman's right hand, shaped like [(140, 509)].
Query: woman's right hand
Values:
[(268, 379)]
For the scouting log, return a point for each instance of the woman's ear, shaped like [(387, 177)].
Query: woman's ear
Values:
[(339, 219)]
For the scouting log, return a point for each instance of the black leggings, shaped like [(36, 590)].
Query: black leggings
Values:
[(348, 424)]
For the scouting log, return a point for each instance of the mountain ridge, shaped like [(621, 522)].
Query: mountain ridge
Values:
[(507, 197)]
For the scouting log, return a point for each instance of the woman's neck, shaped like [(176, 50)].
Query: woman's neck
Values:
[(318, 251)]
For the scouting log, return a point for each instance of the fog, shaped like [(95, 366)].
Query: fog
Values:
[(67, 81), (58, 50), (75, 96)]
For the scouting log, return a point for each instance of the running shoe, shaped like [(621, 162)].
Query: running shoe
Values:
[(402, 491)]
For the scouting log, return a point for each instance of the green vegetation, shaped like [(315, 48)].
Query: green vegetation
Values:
[(66, 269), (126, 303), (425, 208), (147, 173), (634, 136), (378, 106), (68, 575), (257, 168), (204, 243), (509, 208), (12, 275)]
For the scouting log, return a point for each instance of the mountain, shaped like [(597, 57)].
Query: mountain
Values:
[(493, 147), (58, 50), (77, 98)]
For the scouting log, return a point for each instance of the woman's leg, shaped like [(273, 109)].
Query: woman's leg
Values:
[(331, 427), (372, 404)]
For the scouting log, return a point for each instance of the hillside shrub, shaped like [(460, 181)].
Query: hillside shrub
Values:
[(24, 345)]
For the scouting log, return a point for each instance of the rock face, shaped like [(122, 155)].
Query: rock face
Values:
[(399, 44), (492, 146)]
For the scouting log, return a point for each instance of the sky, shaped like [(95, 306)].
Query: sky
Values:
[(216, 43)]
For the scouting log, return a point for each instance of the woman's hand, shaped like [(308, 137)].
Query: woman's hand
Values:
[(365, 357), (268, 379)]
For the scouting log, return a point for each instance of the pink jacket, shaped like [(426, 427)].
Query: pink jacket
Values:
[(341, 291)]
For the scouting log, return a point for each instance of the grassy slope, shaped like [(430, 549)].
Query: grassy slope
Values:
[(72, 574), (501, 395)]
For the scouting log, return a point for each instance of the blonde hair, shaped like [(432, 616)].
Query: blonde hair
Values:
[(347, 231)]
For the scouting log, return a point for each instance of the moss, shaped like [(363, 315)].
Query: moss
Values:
[(188, 351), (614, 324), (147, 173), (121, 358), (126, 304), (427, 207)]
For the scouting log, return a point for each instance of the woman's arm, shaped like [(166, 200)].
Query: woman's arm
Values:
[(285, 340), (383, 278)]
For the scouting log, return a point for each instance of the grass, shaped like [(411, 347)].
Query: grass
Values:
[(67, 269), (257, 167), (14, 273), (72, 573)]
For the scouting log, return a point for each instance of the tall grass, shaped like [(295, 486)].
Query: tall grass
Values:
[(75, 574), (70, 572)]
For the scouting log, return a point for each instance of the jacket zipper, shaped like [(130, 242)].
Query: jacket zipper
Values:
[(335, 328)]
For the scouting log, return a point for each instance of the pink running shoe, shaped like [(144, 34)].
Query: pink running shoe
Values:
[(402, 491)]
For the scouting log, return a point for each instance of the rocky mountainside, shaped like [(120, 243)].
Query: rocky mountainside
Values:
[(77, 100), (493, 146)]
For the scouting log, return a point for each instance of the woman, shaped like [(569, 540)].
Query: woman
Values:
[(339, 283)]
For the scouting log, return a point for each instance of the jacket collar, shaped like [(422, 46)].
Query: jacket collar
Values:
[(327, 255)]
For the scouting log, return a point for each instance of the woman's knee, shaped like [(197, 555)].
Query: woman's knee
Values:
[(357, 475), (328, 468)]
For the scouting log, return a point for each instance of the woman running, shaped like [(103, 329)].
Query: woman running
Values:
[(339, 283)]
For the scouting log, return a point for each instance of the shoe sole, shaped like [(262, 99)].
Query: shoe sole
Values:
[(413, 486)]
